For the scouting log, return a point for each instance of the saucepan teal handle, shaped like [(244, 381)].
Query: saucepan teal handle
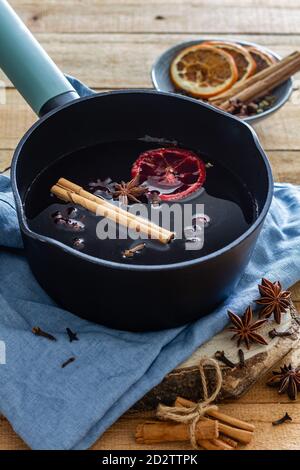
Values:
[(28, 66)]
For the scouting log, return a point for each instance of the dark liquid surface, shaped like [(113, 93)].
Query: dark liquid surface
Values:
[(228, 205)]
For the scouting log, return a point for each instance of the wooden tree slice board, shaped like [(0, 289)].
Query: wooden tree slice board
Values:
[(185, 379)]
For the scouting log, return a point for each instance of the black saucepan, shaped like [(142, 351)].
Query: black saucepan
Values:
[(120, 295)]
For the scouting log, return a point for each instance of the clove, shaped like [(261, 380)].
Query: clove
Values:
[(282, 420), (154, 198), (72, 336), (69, 361), (131, 251), (241, 358), (39, 332), (220, 356), (280, 334)]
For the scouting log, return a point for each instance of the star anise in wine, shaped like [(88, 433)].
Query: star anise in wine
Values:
[(245, 329), (129, 191), (273, 298), (287, 379)]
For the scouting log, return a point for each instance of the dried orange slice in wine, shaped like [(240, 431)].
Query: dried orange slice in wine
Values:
[(174, 172), (262, 58), (203, 71), (245, 63)]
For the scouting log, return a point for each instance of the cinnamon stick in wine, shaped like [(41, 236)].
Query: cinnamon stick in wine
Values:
[(136, 224), (69, 186), (100, 207)]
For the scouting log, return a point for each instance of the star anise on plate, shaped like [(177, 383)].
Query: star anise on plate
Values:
[(287, 379), (129, 191), (245, 329), (273, 299)]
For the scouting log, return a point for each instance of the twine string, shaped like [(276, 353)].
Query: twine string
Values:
[(192, 415)]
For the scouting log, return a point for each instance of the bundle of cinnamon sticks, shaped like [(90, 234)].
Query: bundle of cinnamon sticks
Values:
[(215, 431), (71, 192), (259, 85)]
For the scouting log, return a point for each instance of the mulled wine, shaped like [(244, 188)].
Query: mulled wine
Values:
[(154, 177)]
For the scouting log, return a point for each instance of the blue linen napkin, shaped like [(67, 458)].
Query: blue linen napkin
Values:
[(55, 408)]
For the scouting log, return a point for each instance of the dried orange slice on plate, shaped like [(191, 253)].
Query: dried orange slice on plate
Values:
[(203, 71), (245, 63), (262, 58)]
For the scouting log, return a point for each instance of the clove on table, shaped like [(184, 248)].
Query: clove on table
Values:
[(280, 334), (220, 356), (282, 420), (241, 358)]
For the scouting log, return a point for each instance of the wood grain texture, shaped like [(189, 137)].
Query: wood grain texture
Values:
[(116, 61), (125, 60), (120, 435), (139, 16), (278, 133), (5, 159)]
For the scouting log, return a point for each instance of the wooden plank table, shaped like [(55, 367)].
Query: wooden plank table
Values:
[(111, 44)]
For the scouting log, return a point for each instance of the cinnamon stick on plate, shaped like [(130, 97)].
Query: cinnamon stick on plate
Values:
[(70, 192), (262, 87), (284, 69)]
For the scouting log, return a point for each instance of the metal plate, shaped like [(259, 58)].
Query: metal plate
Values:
[(162, 82)]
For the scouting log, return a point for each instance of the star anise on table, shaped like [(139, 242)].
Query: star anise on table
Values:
[(273, 299), (245, 329), (129, 191), (287, 379)]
